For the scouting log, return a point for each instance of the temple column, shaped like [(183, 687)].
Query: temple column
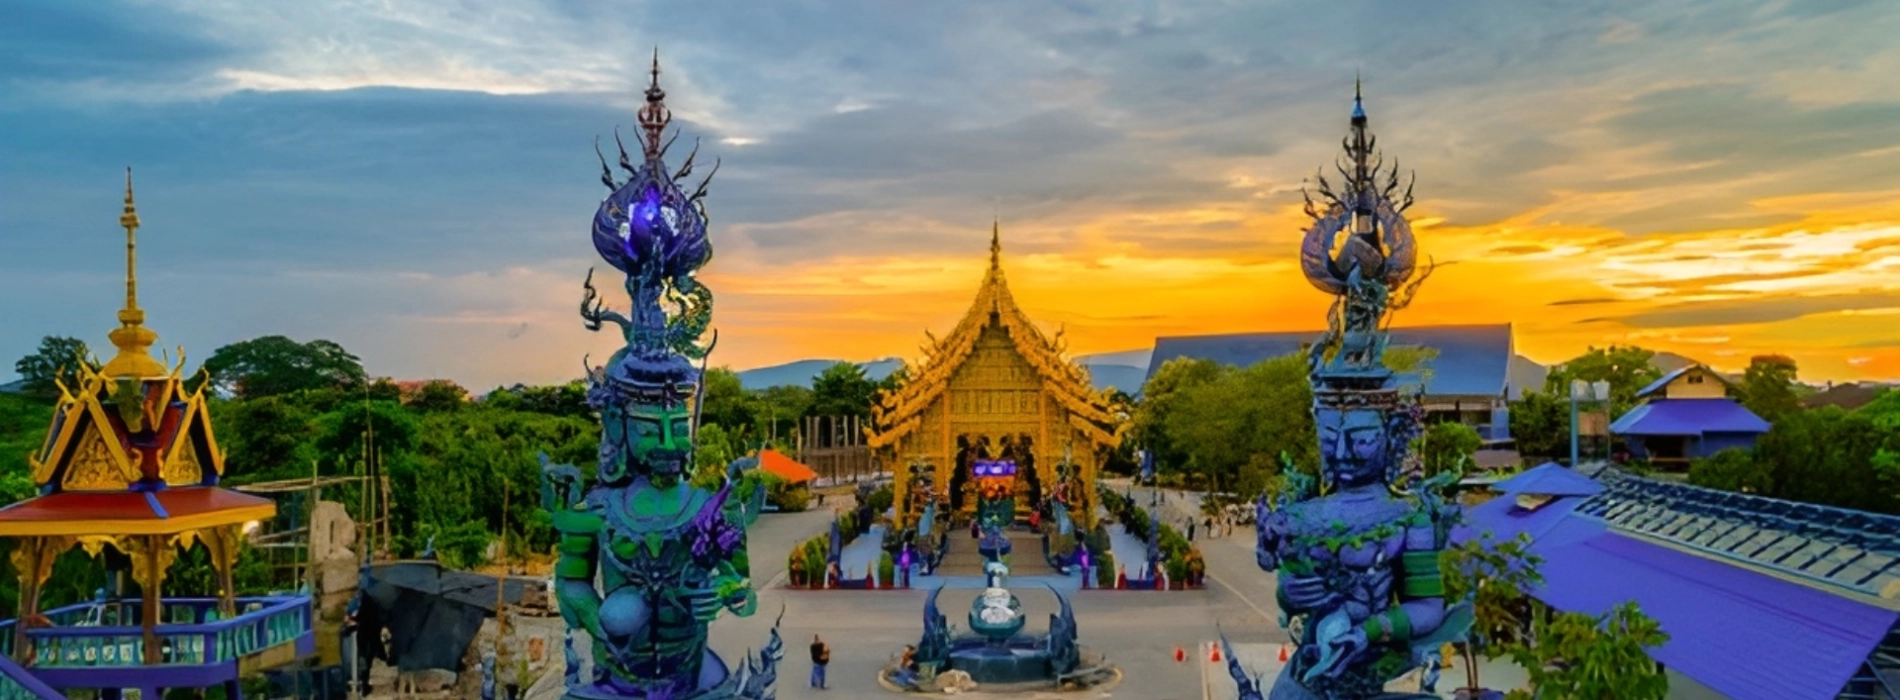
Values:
[(151, 555), (222, 544)]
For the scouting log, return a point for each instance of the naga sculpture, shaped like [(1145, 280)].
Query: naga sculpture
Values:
[(647, 559), (1358, 566)]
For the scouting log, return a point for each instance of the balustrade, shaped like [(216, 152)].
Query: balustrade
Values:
[(108, 634)]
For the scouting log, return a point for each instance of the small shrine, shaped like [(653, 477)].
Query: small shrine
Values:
[(130, 463), (996, 391)]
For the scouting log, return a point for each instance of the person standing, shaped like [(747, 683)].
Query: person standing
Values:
[(820, 655), (1190, 529)]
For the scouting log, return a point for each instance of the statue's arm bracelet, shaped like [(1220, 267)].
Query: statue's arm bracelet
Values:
[(1422, 579), (1392, 624), (577, 557)]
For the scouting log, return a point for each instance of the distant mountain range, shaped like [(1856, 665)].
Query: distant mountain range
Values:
[(1124, 370), (1127, 369)]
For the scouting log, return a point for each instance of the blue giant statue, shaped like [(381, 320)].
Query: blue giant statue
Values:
[(1358, 566), (668, 555)]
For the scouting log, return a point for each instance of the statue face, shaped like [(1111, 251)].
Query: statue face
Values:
[(647, 440), (661, 438), (1353, 445)]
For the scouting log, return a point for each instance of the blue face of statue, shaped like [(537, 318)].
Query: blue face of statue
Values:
[(1353, 446)]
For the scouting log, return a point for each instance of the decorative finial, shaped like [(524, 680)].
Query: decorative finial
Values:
[(1358, 105), (654, 116), (132, 338), (996, 244)]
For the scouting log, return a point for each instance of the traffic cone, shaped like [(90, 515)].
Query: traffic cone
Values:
[(1284, 654), (1214, 654), (1179, 655)]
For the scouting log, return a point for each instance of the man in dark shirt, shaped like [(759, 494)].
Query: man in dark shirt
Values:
[(820, 655)]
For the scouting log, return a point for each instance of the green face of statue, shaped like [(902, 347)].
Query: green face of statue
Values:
[(660, 438)]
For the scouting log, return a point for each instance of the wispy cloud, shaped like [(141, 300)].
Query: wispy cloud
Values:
[(1674, 171)]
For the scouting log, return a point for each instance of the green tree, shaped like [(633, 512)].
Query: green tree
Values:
[(1627, 368), (727, 403), (1540, 424), (275, 365), (778, 410), (1733, 469), (1447, 446), (1828, 456), (265, 438), (1768, 387), (1884, 410), (1162, 395), (1574, 656), (57, 358), (893, 382), (1496, 577), (842, 390), (438, 395)]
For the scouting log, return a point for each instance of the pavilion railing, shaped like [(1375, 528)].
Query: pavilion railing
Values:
[(190, 632)]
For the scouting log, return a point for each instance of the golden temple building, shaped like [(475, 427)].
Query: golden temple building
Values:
[(995, 388)]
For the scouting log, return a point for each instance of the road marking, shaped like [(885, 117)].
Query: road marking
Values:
[(1243, 598)]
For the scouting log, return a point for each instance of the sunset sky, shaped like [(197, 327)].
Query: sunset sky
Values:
[(414, 180)]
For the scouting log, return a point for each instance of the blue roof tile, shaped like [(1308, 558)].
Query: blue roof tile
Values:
[(1472, 360), (1688, 417), (1550, 479)]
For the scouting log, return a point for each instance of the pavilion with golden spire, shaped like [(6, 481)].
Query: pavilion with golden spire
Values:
[(129, 462), (996, 387)]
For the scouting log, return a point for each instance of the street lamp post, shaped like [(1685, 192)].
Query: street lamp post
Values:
[(1590, 391)]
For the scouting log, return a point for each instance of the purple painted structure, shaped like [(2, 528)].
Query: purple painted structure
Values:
[(1706, 426), (17, 684), (1698, 561), (1747, 635), (199, 650)]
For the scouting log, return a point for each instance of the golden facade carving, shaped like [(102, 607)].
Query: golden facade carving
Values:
[(182, 469), (94, 467), (140, 551)]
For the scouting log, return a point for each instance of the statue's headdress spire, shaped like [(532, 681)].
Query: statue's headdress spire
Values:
[(654, 117), (133, 339)]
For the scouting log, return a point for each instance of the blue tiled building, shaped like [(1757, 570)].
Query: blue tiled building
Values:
[(1687, 415), (1469, 381)]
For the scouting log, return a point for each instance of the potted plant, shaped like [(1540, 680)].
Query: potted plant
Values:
[(815, 564), (795, 568), (1104, 563), (1196, 568), (886, 571), (1494, 577)]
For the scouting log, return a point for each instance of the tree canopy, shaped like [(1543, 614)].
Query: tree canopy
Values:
[(57, 358), (842, 390), (275, 365)]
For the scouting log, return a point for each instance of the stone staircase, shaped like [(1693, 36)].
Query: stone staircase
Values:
[(1025, 557)]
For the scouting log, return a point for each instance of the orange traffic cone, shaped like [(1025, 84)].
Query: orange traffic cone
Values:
[(1179, 655), (1214, 656), (1284, 654)]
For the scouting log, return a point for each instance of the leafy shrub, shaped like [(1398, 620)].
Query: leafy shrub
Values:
[(1104, 563), (886, 569)]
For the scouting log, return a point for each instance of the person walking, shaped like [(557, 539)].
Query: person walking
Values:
[(820, 655), (1190, 529)]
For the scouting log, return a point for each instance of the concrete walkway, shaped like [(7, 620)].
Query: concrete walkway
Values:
[(1131, 552)]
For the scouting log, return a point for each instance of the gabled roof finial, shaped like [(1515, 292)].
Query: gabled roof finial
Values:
[(996, 243)]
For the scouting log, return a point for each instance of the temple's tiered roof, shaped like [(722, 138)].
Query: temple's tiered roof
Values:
[(898, 414), (130, 450)]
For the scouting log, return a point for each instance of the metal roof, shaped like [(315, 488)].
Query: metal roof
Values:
[(1849, 549), (1472, 360), (1688, 417), (1744, 634)]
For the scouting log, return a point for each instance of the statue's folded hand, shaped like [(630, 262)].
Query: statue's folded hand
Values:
[(1307, 592)]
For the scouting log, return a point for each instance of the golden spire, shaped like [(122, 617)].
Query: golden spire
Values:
[(133, 339), (996, 244)]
